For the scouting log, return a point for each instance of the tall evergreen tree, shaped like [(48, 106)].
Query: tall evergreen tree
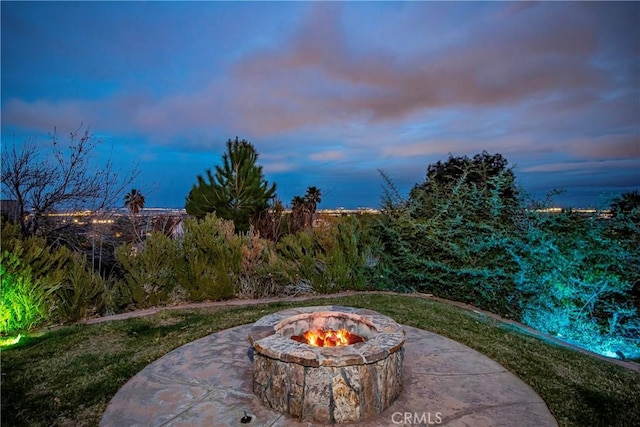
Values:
[(236, 191)]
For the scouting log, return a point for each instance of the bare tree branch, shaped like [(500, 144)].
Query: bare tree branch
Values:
[(65, 178)]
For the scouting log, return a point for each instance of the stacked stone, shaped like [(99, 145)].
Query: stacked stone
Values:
[(330, 384)]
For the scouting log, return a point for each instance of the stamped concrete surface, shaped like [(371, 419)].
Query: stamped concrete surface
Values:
[(208, 383)]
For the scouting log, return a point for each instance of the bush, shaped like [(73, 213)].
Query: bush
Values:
[(568, 275), (212, 254), (203, 265), (258, 270), (150, 271), (23, 303), (44, 284), (451, 240), (82, 293), (576, 280), (335, 256)]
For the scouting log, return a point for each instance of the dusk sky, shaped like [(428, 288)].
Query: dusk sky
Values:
[(329, 93)]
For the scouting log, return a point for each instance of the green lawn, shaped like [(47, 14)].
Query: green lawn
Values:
[(67, 377)]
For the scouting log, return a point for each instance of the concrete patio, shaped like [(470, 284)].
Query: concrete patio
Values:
[(208, 382)]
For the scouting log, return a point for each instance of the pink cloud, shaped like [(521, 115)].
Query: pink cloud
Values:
[(607, 147), (277, 167), (328, 155), (491, 70), (629, 164), (44, 115)]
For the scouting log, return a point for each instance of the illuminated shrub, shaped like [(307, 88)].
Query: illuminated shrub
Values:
[(576, 279), (45, 284), (463, 236), (23, 304)]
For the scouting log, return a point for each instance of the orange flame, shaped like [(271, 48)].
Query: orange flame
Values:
[(328, 338)]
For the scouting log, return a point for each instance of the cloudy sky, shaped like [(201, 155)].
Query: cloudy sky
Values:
[(330, 93)]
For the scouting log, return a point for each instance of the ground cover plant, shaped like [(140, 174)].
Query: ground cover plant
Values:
[(66, 377)]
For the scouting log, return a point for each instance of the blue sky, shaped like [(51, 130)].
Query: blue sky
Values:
[(329, 93)]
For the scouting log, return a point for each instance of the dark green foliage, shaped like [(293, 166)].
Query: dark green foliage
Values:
[(625, 219), (151, 271), (470, 240), (236, 191), (203, 266), (337, 255), (450, 236), (486, 173), (212, 254), (627, 204)]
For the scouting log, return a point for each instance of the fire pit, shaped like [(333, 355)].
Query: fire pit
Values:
[(334, 383)]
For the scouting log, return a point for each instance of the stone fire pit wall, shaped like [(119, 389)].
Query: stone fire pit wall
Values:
[(327, 384)]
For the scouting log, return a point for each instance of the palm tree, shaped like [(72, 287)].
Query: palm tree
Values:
[(312, 198), (298, 207), (134, 200), (297, 203)]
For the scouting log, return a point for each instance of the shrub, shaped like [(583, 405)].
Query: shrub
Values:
[(335, 256), (44, 284), (203, 265), (212, 254), (450, 240), (23, 303), (151, 270), (569, 275), (82, 292), (258, 270), (576, 279)]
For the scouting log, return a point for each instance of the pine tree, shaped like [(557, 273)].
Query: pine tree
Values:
[(236, 191)]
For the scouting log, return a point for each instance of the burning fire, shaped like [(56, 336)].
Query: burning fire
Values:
[(328, 338)]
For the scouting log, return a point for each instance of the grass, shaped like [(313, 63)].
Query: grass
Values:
[(67, 377)]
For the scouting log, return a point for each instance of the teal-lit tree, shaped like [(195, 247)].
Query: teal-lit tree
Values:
[(449, 237), (236, 190), (465, 234), (487, 176)]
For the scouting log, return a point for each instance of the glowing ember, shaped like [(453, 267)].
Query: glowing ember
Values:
[(328, 338)]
